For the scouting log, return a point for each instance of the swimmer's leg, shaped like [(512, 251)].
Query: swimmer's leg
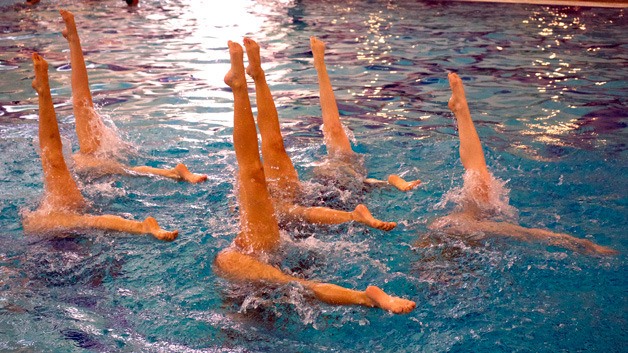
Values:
[(336, 139), (90, 163), (471, 153), (89, 126), (324, 215), (277, 164), (259, 228), (402, 184), (62, 195), (40, 223), (180, 172), (396, 181), (236, 266), (61, 191), (535, 234)]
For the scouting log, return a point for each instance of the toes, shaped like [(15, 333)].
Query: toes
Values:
[(387, 226), (167, 236)]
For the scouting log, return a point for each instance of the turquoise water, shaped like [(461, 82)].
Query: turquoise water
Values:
[(547, 88)]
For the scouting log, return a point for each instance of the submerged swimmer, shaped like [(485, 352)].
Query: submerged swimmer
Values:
[(62, 202), (259, 230), (478, 182), (282, 178), (90, 129)]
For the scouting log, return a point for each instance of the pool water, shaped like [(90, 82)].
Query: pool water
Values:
[(547, 88)]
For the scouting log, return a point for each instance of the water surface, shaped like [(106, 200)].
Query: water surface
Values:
[(547, 89)]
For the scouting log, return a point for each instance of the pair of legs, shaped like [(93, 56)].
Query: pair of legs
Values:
[(281, 175), (89, 126), (336, 139), (472, 157), (62, 201), (259, 229)]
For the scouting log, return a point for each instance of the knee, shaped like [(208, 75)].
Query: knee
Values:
[(223, 258), (226, 261), (274, 143), (253, 173)]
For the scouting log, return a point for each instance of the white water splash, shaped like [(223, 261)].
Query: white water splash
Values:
[(463, 197), (111, 144)]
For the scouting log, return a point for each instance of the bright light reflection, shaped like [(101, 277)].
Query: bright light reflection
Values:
[(205, 52), (558, 28)]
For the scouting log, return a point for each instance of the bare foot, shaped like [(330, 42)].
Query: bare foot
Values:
[(252, 52), (151, 226), (362, 215), (458, 100), (318, 50), (69, 32), (235, 77), (40, 83), (604, 250), (393, 304), (401, 184), (589, 247), (185, 174)]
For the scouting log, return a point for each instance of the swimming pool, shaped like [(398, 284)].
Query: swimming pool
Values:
[(547, 89)]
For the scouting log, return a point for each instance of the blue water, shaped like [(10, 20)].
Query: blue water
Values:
[(547, 88)]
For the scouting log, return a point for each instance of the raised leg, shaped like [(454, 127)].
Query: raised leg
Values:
[(471, 153), (259, 229), (89, 126), (336, 139), (278, 167), (236, 266), (61, 191), (324, 215)]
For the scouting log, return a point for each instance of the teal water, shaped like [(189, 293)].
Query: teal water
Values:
[(547, 89)]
